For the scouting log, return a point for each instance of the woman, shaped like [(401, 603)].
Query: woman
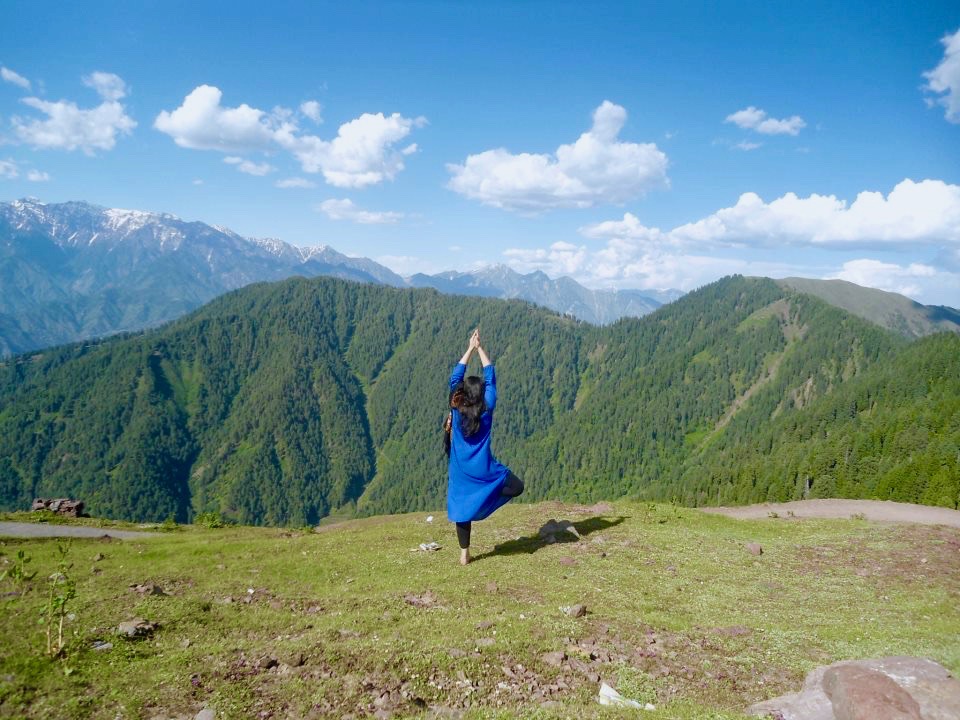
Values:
[(477, 483)]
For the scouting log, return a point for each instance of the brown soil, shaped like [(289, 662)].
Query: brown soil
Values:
[(881, 510)]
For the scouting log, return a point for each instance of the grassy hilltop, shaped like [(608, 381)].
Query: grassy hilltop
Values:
[(348, 621)]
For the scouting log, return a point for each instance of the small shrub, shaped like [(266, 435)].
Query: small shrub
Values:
[(62, 589), (858, 516), (17, 572), (210, 520)]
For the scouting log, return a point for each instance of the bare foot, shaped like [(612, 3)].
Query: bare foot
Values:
[(464, 557)]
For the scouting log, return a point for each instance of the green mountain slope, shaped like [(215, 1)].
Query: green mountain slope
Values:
[(893, 433), (890, 310), (283, 403)]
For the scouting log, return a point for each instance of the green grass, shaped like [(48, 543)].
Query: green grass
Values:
[(678, 615)]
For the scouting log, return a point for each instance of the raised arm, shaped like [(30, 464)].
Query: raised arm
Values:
[(489, 377), (460, 369)]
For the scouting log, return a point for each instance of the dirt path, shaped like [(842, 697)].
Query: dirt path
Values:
[(32, 530), (883, 510)]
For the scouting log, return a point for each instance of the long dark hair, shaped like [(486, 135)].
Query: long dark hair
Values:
[(467, 398)]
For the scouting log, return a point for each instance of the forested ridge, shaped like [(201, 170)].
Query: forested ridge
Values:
[(283, 403)]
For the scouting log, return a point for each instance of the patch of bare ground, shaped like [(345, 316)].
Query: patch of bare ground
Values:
[(877, 510), (913, 554)]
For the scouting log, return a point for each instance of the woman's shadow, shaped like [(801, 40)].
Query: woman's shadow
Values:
[(552, 532)]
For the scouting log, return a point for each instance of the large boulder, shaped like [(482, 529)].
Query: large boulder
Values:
[(891, 688)]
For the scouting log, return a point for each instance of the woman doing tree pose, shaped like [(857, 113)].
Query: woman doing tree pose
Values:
[(477, 483)]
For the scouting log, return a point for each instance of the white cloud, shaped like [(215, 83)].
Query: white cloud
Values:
[(198, 181), (312, 109), (913, 212), (747, 146), (37, 176), (407, 265), (201, 123), (629, 227), (107, 85), (753, 118), (9, 170), (346, 210), (912, 215), (907, 280), (632, 264), (295, 182), (945, 78), (249, 167), (69, 127), (361, 154), (8, 75), (597, 168)]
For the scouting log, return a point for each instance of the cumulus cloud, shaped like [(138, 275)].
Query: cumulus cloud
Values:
[(597, 168), (753, 118), (248, 166), (69, 127), (627, 263), (37, 176), (295, 182), (944, 79), (345, 209), (9, 170), (312, 109), (201, 123), (913, 215), (904, 279), (8, 75), (361, 154), (746, 146), (912, 212)]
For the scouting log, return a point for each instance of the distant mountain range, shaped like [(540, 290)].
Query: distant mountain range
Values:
[(71, 271), (564, 295)]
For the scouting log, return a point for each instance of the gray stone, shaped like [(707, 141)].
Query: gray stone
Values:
[(206, 714), (576, 610), (554, 659), (148, 589), (137, 627), (929, 685), (858, 693), (753, 548)]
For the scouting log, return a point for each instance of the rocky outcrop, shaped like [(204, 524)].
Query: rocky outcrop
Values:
[(891, 688), (61, 506)]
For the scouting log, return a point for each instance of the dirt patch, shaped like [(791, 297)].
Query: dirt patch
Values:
[(877, 510)]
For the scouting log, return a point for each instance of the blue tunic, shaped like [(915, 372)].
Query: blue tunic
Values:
[(475, 477)]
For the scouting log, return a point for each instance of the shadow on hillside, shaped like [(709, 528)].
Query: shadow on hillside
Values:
[(531, 543)]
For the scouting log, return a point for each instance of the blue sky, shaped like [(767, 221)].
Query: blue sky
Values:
[(626, 145)]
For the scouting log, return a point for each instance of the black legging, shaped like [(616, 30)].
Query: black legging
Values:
[(511, 488)]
